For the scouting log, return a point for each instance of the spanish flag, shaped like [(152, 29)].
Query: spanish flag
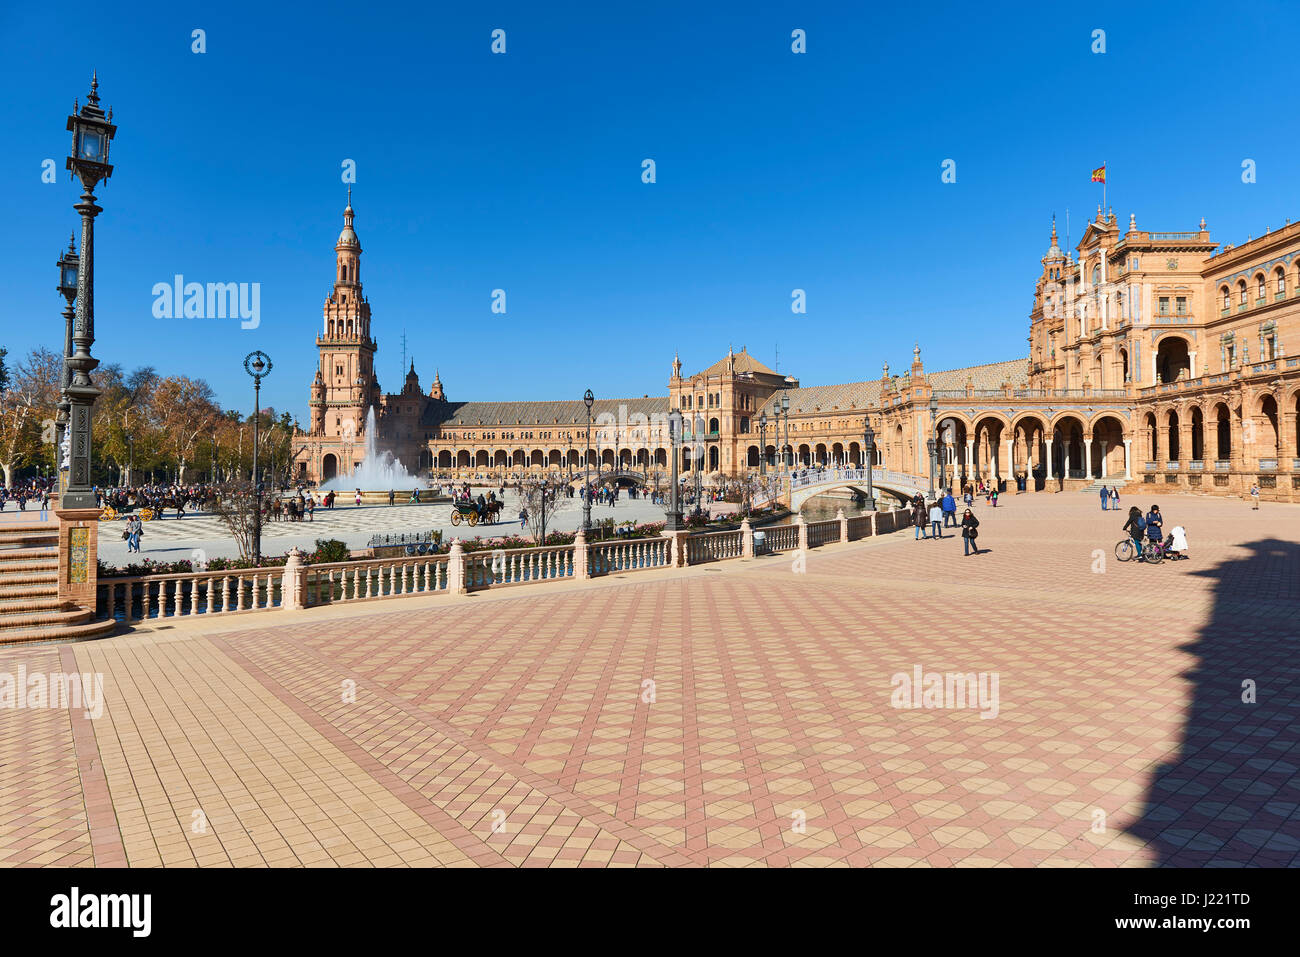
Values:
[(1099, 174)]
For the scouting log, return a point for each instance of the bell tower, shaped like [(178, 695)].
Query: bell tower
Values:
[(345, 378)]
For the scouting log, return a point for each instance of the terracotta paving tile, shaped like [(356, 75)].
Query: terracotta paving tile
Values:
[(517, 731)]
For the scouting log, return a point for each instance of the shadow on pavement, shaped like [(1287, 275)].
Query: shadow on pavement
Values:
[(1231, 796)]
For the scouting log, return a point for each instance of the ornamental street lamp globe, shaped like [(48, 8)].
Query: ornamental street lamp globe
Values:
[(92, 131), (258, 365)]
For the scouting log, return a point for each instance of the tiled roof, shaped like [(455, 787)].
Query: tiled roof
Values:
[(988, 376), (744, 362), (564, 411), (859, 395), (824, 397)]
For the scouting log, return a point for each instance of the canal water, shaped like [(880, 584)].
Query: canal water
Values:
[(821, 508)]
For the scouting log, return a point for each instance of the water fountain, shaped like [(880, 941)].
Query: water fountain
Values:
[(377, 473)]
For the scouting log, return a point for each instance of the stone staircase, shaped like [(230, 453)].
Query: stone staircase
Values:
[(1111, 481), (30, 609)]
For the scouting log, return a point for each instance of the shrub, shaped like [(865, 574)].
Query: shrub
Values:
[(329, 550)]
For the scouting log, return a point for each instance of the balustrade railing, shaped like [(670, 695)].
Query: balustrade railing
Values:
[(517, 566), (782, 538), (1222, 465), (606, 558), (820, 533), (133, 598), (859, 527), (713, 546), (379, 578)]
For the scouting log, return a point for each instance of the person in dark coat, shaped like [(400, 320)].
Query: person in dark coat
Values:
[(1134, 526), (969, 532), (920, 517)]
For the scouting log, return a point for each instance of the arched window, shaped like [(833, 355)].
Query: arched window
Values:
[(1281, 284), (1227, 299), (1241, 290), (1260, 282), (1096, 275)]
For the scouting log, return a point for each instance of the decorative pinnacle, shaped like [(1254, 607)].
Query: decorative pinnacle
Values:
[(93, 96)]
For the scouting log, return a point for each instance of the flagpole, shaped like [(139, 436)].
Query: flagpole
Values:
[(1104, 212)]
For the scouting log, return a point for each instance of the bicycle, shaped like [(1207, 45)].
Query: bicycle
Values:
[(1154, 552), (1127, 550)]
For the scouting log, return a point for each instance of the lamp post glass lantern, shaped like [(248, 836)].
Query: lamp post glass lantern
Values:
[(258, 365), (68, 266), (785, 414), (92, 131), (674, 517), (869, 462), (932, 441), (588, 399), (762, 443)]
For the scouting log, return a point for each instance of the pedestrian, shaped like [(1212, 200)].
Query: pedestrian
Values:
[(311, 508), (1134, 526), (358, 498), (392, 494), (936, 519), (995, 496), (919, 518), (1254, 497), (1114, 498), (1105, 498), (949, 505), (523, 518), (969, 532)]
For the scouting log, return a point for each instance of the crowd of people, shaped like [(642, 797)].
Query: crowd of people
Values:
[(35, 491)]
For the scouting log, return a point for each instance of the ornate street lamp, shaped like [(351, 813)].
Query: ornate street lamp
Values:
[(68, 289), (674, 517), (588, 399), (785, 414), (869, 461), (762, 443), (92, 131), (696, 457), (568, 458), (930, 443), (258, 365)]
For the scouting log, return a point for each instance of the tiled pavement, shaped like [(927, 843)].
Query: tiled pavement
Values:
[(521, 729)]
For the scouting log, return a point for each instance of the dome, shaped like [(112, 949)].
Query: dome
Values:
[(348, 237)]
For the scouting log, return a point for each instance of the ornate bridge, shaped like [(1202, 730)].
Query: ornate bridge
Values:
[(899, 484)]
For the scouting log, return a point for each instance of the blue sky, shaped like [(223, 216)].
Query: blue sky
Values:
[(522, 172)]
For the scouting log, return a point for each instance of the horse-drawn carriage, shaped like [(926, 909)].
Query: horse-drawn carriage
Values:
[(111, 513), (469, 512)]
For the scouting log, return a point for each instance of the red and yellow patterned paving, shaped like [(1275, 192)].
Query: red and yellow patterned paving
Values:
[(738, 714)]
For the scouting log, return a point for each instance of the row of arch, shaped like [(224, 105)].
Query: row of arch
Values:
[(1260, 280), (1212, 430)]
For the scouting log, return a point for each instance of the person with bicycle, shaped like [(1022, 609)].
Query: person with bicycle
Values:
[(1135, 526)]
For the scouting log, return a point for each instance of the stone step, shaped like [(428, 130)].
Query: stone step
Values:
[(59, 617), (24, 590), (28, 551), (10, 566), (10, 606), (27, 576), (45, 537), (80, 632)]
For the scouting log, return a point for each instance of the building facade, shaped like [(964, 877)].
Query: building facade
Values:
[(1155, 358)]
